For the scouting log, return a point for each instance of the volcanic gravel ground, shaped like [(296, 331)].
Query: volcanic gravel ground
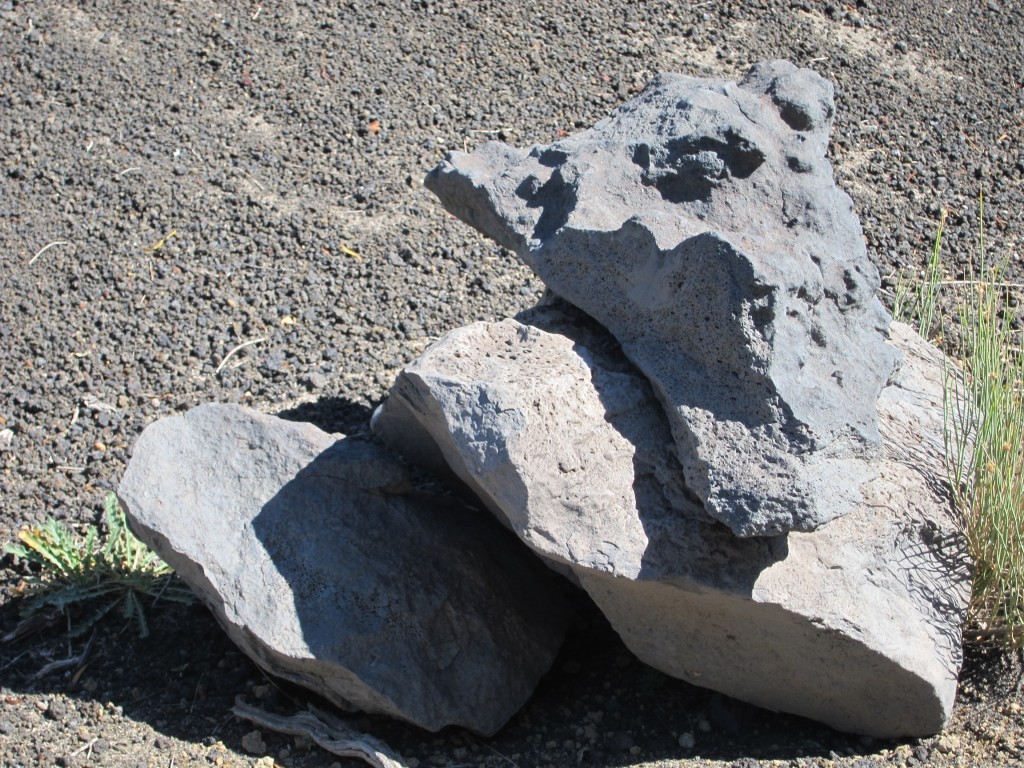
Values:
[(222, 201)]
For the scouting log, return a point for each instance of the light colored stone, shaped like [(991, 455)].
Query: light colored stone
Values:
[(855, 624), (553, 430), (701, 225), (948, 743), (253, 743), (327, 567)]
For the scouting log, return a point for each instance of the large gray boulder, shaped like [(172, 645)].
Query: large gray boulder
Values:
[(328, 568), (855, 624), (701, 225)]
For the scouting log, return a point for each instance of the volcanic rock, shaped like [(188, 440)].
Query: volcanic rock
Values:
[(701, 225), (327, 567), (855, 624)]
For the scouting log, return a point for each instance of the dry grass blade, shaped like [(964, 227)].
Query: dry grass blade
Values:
[(916, 303), (87, 748), (327, 731), (45, 248), (240, 347)]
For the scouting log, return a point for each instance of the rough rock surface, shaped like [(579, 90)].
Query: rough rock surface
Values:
[(329, 569), (546, 421), (255, 203), (855, 624), (701, 225)]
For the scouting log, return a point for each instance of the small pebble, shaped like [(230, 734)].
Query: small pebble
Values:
[(254, 744), (261, 691), (316, 380), (57, 709), (947, 743)]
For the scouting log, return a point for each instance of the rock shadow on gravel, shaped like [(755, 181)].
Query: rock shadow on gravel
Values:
[(605, 708), (334, 415)]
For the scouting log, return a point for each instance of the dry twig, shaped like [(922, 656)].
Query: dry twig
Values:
[(72, 661), (87, 747), (327, 731)]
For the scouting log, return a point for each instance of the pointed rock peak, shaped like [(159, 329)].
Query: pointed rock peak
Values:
[(700, 224)]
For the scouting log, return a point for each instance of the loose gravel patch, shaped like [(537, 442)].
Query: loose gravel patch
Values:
[(222, 201)]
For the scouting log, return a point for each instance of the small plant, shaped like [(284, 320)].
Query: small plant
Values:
[(76, 572), (991, 477), (984, 428)]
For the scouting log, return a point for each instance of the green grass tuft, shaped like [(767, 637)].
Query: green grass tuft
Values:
[(75, 572), (984, 439)]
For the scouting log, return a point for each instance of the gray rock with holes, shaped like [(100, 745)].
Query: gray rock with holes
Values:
[(855, 624), (327, 567), (701, 225)]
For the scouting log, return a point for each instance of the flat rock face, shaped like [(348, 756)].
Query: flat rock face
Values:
[(855, 624), (329, 569), (527, 413), (701, 226)]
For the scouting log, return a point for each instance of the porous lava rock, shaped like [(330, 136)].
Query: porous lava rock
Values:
[(701, 225), (326, 565), (855, 624)]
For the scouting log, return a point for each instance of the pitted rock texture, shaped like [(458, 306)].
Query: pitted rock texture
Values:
[(329, 569), (855, 624), (701, 225)]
